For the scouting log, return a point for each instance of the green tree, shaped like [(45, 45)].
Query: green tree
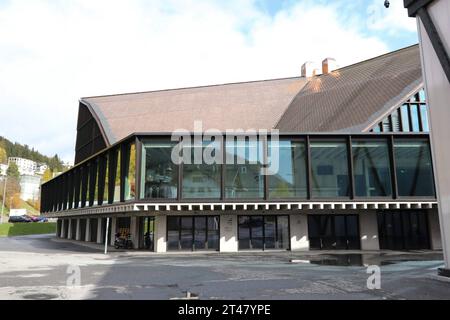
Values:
[(48, 175), (3, 156), (13, 171)]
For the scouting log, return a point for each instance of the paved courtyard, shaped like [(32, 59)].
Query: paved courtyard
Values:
[(41, 267)]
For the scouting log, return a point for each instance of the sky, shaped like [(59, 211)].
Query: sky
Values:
[(53, 52)]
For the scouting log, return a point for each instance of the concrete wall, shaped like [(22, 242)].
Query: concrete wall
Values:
[(368, 228), (438, 96), (229, 233), (299, 232), (160, 234), (134, 229), (435, 230)]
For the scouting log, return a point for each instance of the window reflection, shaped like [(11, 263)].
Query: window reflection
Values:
[(160, 174), (329, 171), (414, 168), (371, 169), (243, 178), (290, 180), (202, 181)]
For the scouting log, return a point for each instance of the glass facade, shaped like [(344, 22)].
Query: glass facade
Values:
[(371, 168), (412, 116), (160, 174), (202, 181), (243, 176), (290, 180), (130, 178), (343, 168), (329, 169), (414, 168)]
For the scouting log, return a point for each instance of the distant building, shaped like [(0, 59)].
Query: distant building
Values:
[(25, 166), (30, 187), (41, 168)]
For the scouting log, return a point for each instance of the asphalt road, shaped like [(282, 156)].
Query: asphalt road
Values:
[(40, 267)]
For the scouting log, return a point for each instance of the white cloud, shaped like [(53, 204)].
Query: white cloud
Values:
[(394, 20), (54, 52)]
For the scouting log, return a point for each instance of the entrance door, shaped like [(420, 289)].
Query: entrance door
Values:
[(263, 232), (147, 233), (403, 230), (333, 232)]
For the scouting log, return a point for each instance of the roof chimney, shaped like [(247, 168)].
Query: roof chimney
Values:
[(309, 69), (329, 65)]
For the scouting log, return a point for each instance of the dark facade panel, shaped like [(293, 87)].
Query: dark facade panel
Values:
[(89, 136)]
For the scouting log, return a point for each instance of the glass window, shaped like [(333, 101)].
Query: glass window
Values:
[(117, 181), (415, 118), (283, 232), (160, 174), (414, 168), (405, 118), (386, 125), (202, 181), (371, 169), (173, 233), (213, 233), (422, 95), (106, 189), (130, 181), (329, 168), (243, 178), (200, 230), (424, 116), (395, 121), (290, 180)]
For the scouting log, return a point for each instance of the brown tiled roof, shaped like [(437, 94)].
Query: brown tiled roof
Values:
[(351, 99), (249, 105)]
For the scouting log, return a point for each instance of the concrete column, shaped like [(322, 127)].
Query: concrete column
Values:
[(87, 238), (134, 227), (78, 232), (99, 231), (368, 229), (435, 230), (63, 228), (112, 236), (160, 234), (299, 232), (69, 231), (229, 233)]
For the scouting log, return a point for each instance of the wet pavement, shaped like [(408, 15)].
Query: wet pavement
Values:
[(41, 268)]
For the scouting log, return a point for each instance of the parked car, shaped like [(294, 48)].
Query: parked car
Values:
[(19, 219), (41, 220), (32, 218)]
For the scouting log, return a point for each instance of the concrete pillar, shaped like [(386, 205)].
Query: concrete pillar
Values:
[(435, 230), (134, 229), (229, 233), (63, 228), (160, 234), (112, 236), (438, 95), (87, 237), (78, 232), (99, 231), (368, 229), (299, 232), (69, 231)]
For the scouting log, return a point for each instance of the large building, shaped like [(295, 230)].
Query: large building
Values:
[(354, 166)]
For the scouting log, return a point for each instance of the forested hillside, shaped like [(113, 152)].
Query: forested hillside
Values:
[(11, 149)]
